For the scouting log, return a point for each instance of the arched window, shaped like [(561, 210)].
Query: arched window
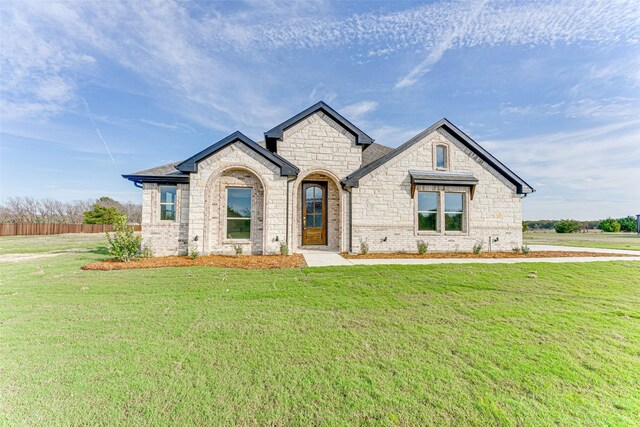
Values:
[(442, 161)]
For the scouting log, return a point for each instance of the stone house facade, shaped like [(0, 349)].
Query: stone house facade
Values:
[(317, 181)]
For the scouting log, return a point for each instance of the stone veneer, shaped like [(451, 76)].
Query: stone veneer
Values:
[(165, 237), (385, 214), (324, 151)]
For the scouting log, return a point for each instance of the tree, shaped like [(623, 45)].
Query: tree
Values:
[(123, 244), (525, 226), (568, 226), (609, 225), (629, 224), (102, 215)]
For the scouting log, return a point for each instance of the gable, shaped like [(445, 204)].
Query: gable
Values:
[(277, 132), (521, 186), (191, 164)]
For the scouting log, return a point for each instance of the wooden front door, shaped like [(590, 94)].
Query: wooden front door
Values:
[(314, 213)]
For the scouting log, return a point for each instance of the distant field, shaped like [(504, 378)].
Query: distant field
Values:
[(629, 241), (50, 243)]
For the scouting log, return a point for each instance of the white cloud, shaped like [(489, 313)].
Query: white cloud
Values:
[(356, 110), (584, 168)]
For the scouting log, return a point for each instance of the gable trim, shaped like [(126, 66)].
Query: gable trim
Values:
[(278, 131), (522, 187), (191, 164)]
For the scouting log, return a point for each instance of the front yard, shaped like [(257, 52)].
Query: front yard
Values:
[(418, 345), (628, 241)]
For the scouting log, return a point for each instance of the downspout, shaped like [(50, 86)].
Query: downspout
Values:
[(348, 190), (290, 180)]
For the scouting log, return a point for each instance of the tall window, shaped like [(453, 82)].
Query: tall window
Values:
[(441, 157), (427, 211), (239, 213), (168, 202), (453, 208)]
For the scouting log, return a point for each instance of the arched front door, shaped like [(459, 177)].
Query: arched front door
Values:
[(314, 213)]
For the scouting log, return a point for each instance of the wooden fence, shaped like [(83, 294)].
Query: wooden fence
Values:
[(50, 228)]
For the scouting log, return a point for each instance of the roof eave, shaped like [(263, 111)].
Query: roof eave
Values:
[(278, 131), (157, 179)]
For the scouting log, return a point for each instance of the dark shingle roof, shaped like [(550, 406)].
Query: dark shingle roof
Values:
[(277, 132), (521, 186), (286, 168), (165, 173), (373, 152)]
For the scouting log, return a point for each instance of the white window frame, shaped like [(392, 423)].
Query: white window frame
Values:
[(161, 203), (226, 218)]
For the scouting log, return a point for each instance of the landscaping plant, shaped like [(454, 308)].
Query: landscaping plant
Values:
[(194, 253), (238, 249), (477, 248), (364, 248), (123, 244), (284, 248), (422, 247)]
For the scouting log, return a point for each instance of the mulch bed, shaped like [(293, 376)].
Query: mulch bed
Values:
[(246, 262), (541, 254)]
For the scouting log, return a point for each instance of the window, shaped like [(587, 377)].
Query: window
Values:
[(441, 157), (239, 213), (168, 202), (453, 208), (427, 211), (439, 210)]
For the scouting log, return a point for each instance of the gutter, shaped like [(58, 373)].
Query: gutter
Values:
[(348, 190)]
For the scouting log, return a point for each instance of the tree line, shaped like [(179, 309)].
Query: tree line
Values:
[(628, 224), (29, 210)]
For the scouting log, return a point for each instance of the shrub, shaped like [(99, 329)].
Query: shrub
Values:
[(516, 249), (194, 253), (477, 248), (568, 226), (238, 249), (364, 248), (123, 244), (525, 249), (609, 225), (146, 252), (284, 248), (422, 247), (525, 226), (628, 224)]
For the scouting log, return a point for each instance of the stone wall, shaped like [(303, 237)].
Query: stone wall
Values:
[(205, 195), (385, 216), (165, 237), (334, 212), (217, 240)]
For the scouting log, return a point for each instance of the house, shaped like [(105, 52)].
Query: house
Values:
[(317, 181)]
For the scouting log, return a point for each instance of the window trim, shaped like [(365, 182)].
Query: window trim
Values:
[(160, 203), (463, 213), (226, 217), (440, 221), (447, 159), (418, 211)]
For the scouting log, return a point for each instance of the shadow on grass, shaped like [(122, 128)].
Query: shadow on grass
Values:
[(102, 250)]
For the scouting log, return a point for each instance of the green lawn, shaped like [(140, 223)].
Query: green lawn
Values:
[(50, 243), (629, 241), (409, 345)]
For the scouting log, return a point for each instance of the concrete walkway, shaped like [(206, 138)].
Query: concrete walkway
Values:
[(328, 259)]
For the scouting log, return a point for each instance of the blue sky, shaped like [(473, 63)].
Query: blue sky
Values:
[(92, 90)]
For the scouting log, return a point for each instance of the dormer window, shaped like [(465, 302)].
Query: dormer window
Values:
[(442, 161)]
